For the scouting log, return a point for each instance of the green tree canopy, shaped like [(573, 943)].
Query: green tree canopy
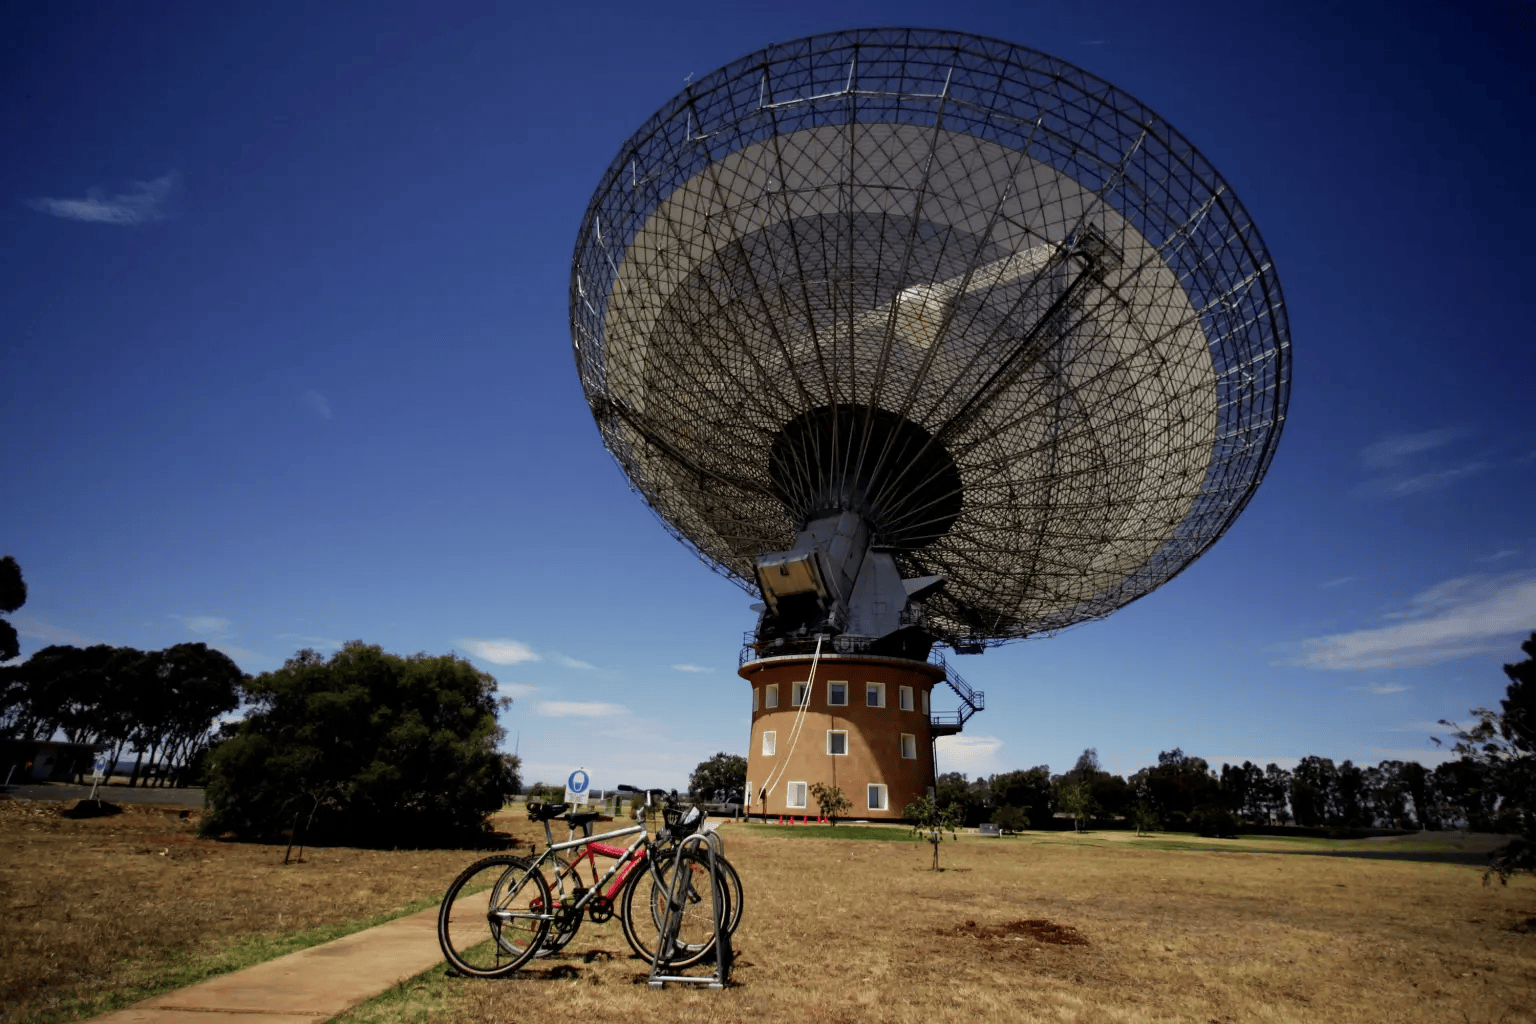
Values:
[(723, 773), (385, 749)]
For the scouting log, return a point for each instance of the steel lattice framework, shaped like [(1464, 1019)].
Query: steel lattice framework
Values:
[(987, 299)]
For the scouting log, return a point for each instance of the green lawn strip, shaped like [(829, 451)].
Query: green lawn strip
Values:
[(413, 999), (148, 978), (879, 833)]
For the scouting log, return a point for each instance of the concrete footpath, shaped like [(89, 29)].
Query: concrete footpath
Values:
[(308, 986)]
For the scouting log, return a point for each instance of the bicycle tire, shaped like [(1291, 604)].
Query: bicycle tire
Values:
[(642, 921), (561, 931), (484, 924), (734, 898)]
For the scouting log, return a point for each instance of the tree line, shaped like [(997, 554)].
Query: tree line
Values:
[(1490, 786), (165, 705)]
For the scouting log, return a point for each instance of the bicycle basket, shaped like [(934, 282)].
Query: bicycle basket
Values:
[(682, 822)]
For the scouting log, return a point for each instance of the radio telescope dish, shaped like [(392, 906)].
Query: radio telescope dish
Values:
[(923, 336)]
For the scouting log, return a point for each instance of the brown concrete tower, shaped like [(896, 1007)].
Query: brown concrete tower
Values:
[(865, 728)]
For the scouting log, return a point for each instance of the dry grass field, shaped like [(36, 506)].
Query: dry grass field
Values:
[(1043, 927), (100, 912)]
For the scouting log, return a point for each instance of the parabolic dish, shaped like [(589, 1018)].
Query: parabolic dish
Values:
[(1010, 302)]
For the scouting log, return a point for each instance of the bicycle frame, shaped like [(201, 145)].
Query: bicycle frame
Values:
[(626, 862)]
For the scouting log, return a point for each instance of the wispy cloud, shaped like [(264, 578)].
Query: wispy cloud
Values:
[(1383, 688), (1499, 556), (1404, 464), (1396, 449), (973, 755), (516, 690), (578, 709), (501, 652), (1336, 583), (36, 629), (140, 204), (204, 625), (569, 662), (692, 668), (1469, 615), (317, 403), (318, 643)]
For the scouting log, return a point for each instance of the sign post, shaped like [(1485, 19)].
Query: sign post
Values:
[(578, 787), (98, 774)]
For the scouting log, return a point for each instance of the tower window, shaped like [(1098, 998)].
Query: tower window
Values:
[(771, 695), (837, 741), (925, 702), (755, 698), (909, 746), (797, 694), (905, 696), (874, 695), (770, 743), (837, 695), (876, 796), (794, 796)]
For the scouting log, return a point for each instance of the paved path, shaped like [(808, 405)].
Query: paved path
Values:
[(304, 987)]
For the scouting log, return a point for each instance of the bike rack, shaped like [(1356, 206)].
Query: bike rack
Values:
[(665, 943)]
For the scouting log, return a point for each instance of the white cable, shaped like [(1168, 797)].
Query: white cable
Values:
[(794, 734)]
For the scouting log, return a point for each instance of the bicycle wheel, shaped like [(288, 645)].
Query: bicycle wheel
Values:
[(646, 901), (732, 892), (494, 916), (565, 926)]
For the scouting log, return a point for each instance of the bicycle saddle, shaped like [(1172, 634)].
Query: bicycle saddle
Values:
[(544, 812)]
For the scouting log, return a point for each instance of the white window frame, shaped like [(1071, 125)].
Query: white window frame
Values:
[(837, 732), (771, 695), (885, 797), (904, 698), (837, 704), (879, 689), (746, 795), (925, 702), (909, 740), (756, 697), (770, 742), (799, 693), (789, 796)]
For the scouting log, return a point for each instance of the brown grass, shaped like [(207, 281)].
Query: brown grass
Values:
[(1101, 927), (1054, 928), (97, 912)]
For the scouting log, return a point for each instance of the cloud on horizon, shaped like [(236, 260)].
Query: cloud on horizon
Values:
[(1469, 615), (692, 668), (36, 629), (140, 204), (973, 755)]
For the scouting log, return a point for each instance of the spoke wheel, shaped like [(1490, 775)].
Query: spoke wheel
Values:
[(494, 917), (645, 905)]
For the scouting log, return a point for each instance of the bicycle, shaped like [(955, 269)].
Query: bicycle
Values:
[(500, 912), (603, 905)]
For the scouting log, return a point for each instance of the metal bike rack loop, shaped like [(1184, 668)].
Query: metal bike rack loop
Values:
[(677, 886)]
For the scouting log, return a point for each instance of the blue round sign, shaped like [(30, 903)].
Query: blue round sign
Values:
[(578, 782)]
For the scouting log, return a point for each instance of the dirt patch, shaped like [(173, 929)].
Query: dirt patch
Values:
[(1045, 932)]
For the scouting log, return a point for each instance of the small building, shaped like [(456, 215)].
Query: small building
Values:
[(45, 760)]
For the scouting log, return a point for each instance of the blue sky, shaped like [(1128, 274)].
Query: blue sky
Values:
[(287, 361)]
